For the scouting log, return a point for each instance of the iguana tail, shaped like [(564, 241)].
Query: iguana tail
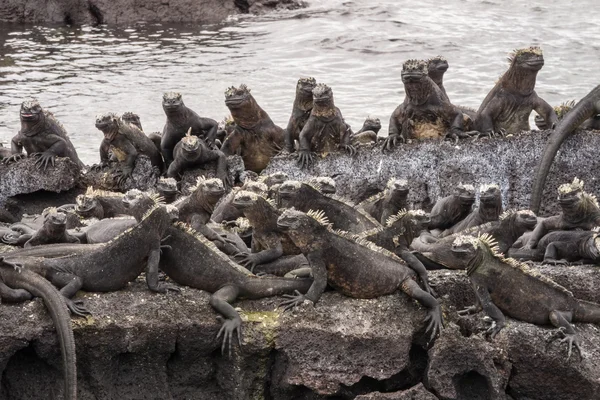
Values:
[(57, 307), (256, 288), (587, 312), (583, 110), (526, 254)]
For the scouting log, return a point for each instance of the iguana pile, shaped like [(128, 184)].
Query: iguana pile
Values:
[(450, 210), (563, 247), (387, 203), (54, 230)]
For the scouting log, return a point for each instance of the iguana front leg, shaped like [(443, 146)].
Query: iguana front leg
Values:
[(561, 320), (417, 266), (434, 315), (251, 260), (69, 284), (220, 301), (484, 298), (317, 288), (152, 274)]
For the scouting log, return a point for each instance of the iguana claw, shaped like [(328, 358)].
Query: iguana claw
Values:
[(469, 310), (227, 330), (13, 158), (293, 300), (77, 308), (305, 158), (247, 260), (45, 159), (434, 316), (571, 339), (494, 329)]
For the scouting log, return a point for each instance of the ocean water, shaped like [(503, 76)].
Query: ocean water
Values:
[(356, 47)]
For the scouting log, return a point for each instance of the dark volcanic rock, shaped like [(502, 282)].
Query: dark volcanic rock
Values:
[(417, 392), (434, 168), (235, 167), (24, 177), (131, 11), (144, 177)]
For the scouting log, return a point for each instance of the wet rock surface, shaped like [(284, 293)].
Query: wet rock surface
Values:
[(140, 344), (434, 168), (129, 11), (144, 177)]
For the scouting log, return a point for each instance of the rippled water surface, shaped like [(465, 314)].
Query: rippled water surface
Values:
[(357, 47)]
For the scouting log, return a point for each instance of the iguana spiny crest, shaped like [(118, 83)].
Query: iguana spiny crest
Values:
[(322, 92), (167, 184), (172, 98), (414, 67), (525, 54), (30, 107), (256, 187), (190, 142), (235, 92), (324, 184), (566, 188), (509, 213)]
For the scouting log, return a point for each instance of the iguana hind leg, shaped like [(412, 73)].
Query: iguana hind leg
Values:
[(434, 315), (561, 320), (10, 295), (69, 284), (416, 265), (220, 301)]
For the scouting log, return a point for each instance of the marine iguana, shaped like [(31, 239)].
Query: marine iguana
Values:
[(134, 119), (579, 210), (436, 68), (508, 105), (368, 132), (53, 230), (303, 104), (452, 209), (490, 209), (126, 142), (325, 184), (503, 285), (42, 136), (304, 197), (438, 253), (425, 112), (179, 119), (268, 242), (387, 203), (273, 182), (192, 151), (192, 260), (255, 137), (325, 131), (167, 189), (562, 248), (18, 284), (104, 267), (95, 203), (560, 111), (357, 269), (396, 236), (226, 211), (588, 107)]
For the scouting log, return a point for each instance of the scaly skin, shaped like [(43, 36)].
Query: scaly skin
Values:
[(505, 286), (588, 107), (303, 104), (507, 106), (108, 266), (18, 284), (100, 204), (126, 142), (179, 120), (42, 136), (54, 230), (342, 215), (325, 131), (226, 211), (134, 119), (189, 259), (579, 211), (383, 205), (425, 112), (450, 210), (367, 133), (191, 151), (562, 248), (437, 253), (490, 209), (436, 68), (355, 270), (255, 137)]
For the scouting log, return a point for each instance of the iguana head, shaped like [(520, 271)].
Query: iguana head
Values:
[(570, 193), (489, 193), (31, 111), (306, 85), (530, 58), (414, 71), (167, 188), (244, 199), (108, 123), (256, 187), (436, 67), (466, 193), (325, 184), (54, 221), (371, 124), (398, 187), (237, 97), (211, 189), (465, 246), (409, 223), (275, 178), (322, 95), (190, 143), (85, 203), (303, 228), (522, 218), (132, 118), (139, 203), (288, 191), (172, 102)]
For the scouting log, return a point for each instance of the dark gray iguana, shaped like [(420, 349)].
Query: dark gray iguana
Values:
[(305, 197), (450, 210), (367, 133), (387, 203), (579, 210), (588, 107), (505, 286), (42, 136), (303, 104), (54, 230), (192, 260), (108, 266), (357, 269), (18, 284), (507, 106), (437, 253), (226, 211)]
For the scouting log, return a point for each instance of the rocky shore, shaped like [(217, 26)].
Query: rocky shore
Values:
[(130, 11)]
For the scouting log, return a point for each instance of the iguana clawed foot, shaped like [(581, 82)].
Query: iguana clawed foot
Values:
[(163, 287), (44, 160), (11, 238), (77, 308), (434, 316), (351, 150), (552, 261), (121, 176), (247, 260), (99, 167), (13, 158), (17, 266), (391, 141), (227, 330), (494, 328), (293, 300), (469, 310), (305, 158)]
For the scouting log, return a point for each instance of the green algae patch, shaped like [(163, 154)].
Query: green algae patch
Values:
[(268, 322)]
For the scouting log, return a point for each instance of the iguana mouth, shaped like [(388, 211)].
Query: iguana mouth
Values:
[(535, 63), (412, 77), (234, 101)]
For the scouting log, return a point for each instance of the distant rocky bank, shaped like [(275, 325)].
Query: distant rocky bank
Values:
[(130, 11)]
